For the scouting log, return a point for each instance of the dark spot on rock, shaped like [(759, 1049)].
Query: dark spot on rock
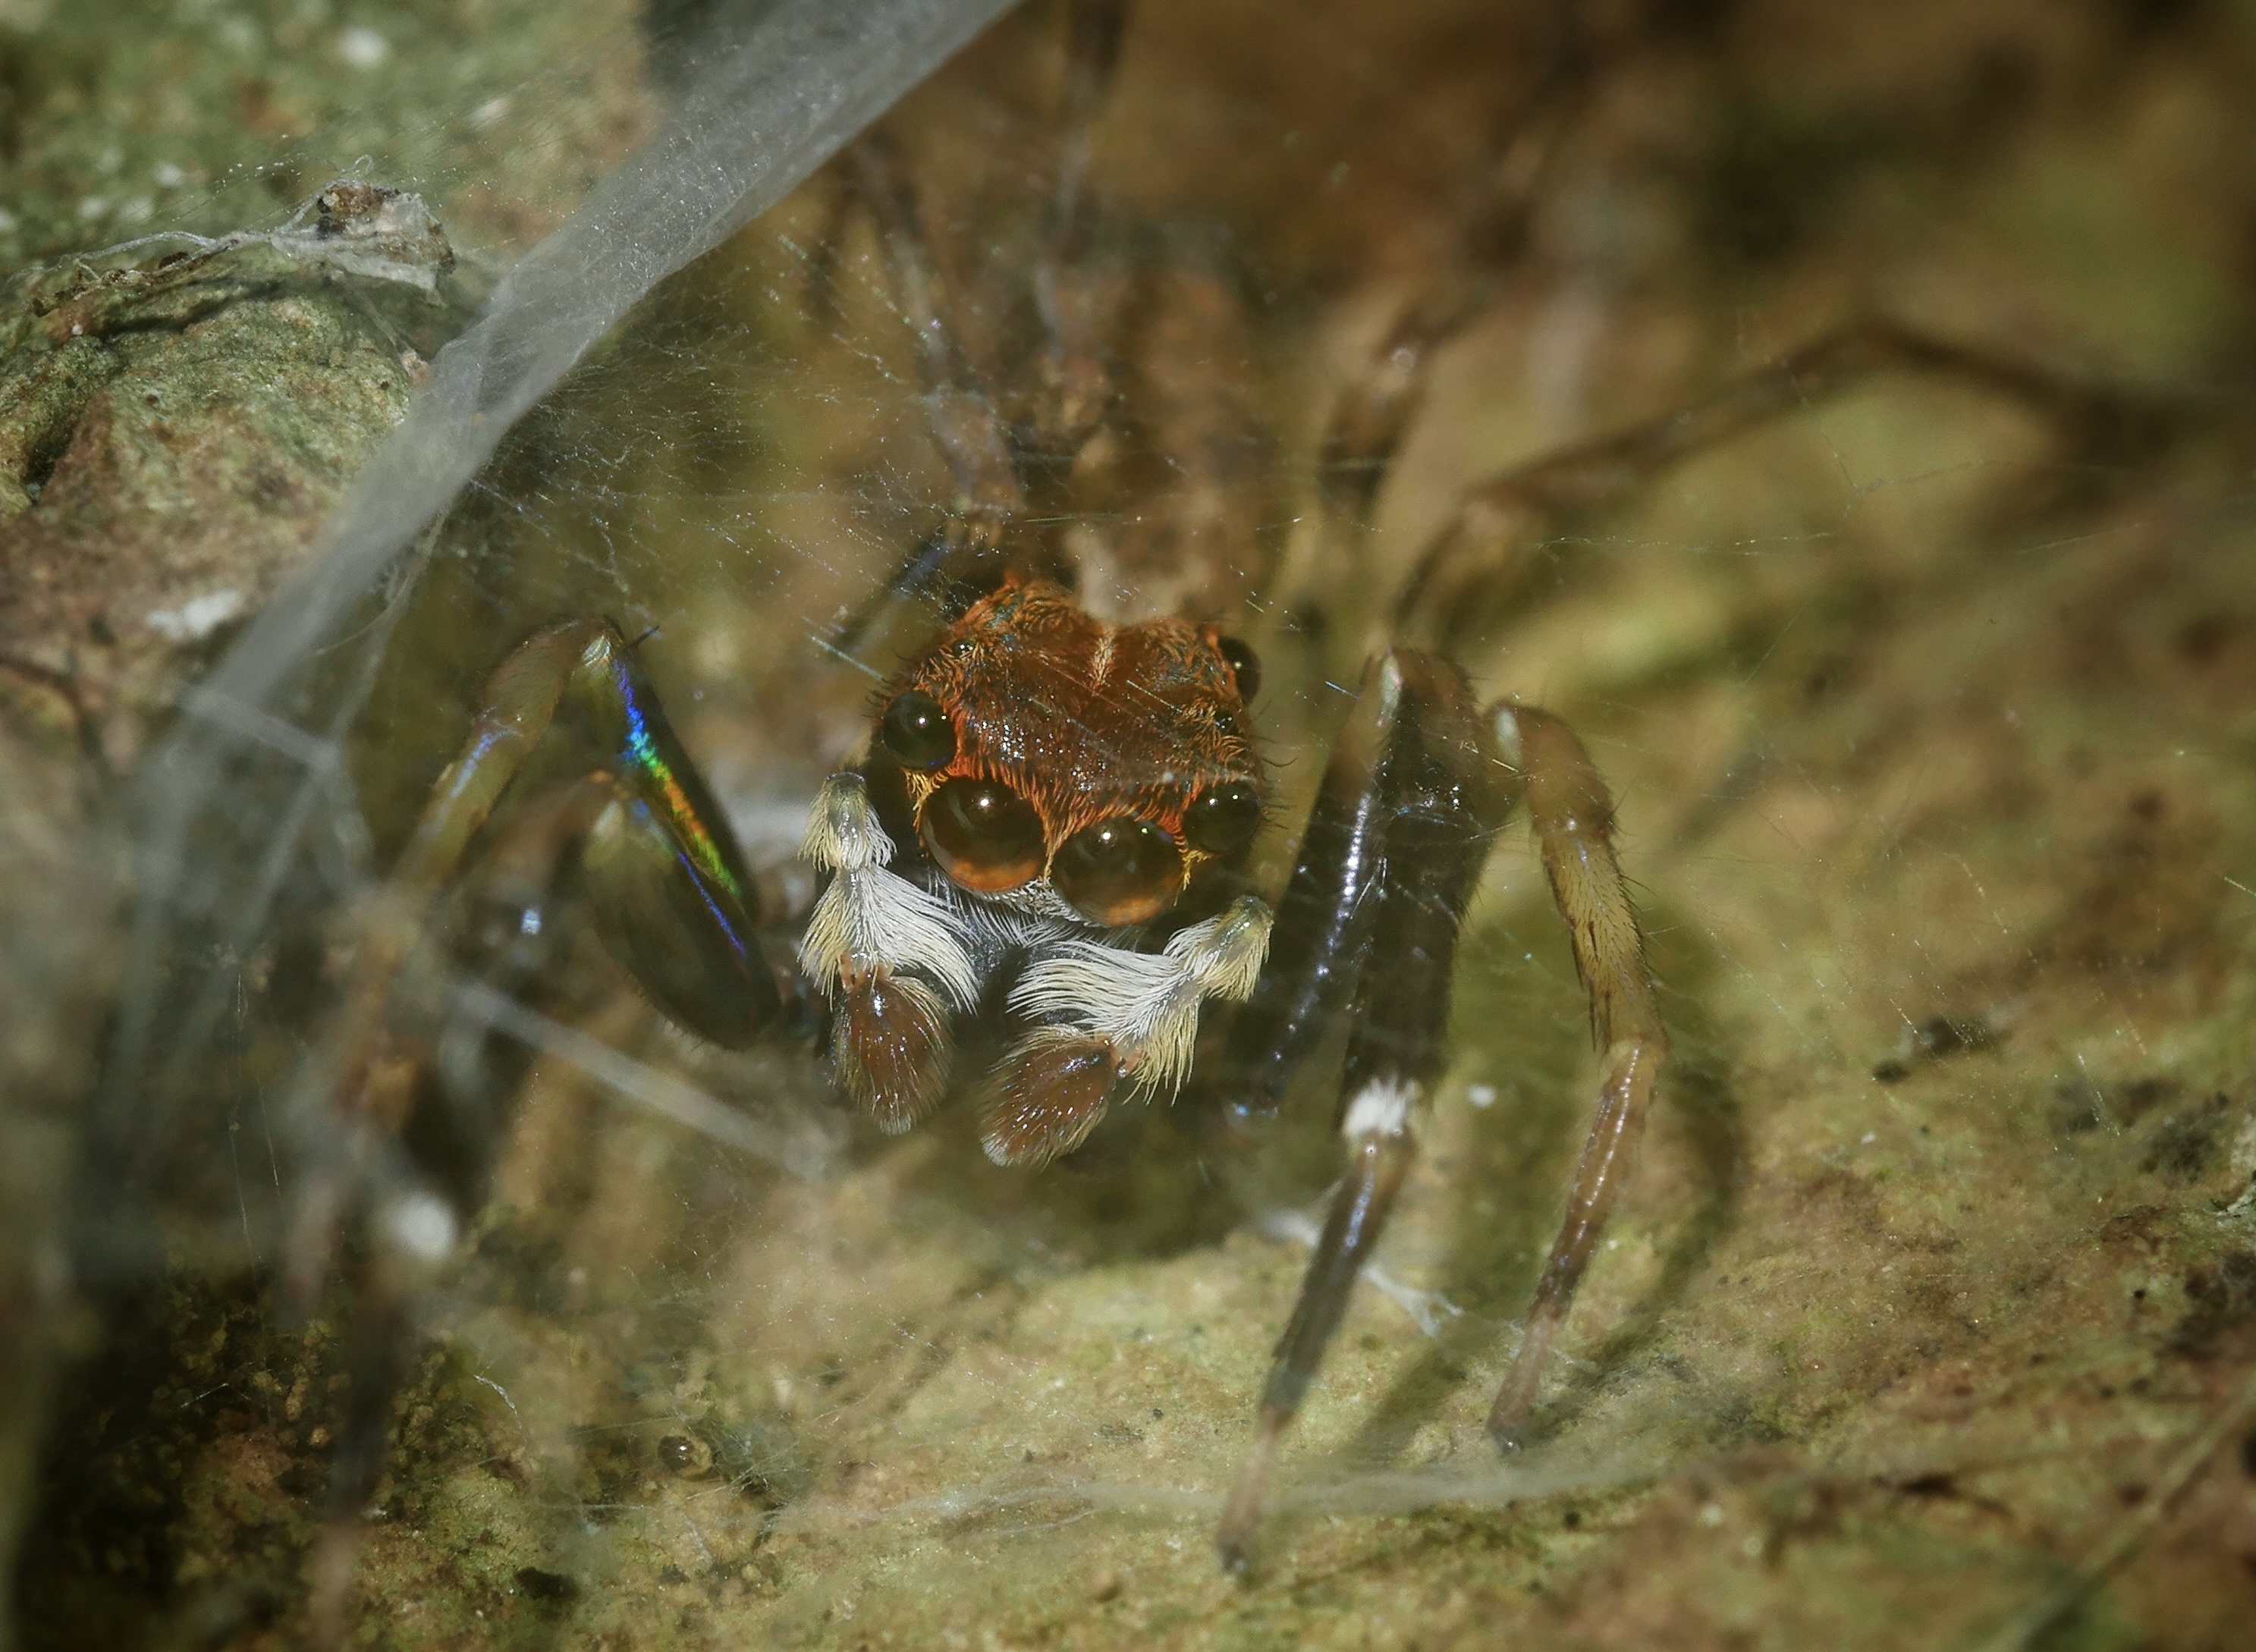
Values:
[(2081, 1107), (1933, 1039), (2201, 641), (2182, 1147), (552, 1586), (2222, 1316), (1940, 1036), (1937, 1484), (1572, 1519), (2141, 1095), (685, 1454)]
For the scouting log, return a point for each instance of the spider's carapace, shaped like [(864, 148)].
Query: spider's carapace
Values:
[(1034, 741)]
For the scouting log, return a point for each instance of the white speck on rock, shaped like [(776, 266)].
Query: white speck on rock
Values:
[(361, 47), (197, 618), (422, 1224)]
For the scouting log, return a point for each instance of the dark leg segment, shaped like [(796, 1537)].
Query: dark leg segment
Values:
[(1435, 801), (670, 891), (1573, 819), (1323, 931)]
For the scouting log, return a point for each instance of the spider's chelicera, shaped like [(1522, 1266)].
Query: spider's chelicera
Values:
[(1044, 828)]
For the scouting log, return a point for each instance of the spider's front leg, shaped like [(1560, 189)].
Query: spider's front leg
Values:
[(667, 882), (1413, 798), (672, 900)]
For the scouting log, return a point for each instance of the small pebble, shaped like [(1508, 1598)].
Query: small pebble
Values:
[(1107, 1585)]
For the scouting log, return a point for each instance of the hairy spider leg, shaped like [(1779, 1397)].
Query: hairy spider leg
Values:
[(888, 956), (1436, 794), (968, 429), (670, 893), (655, 833), (1482, 559), (1324, 917), (1416, 794), (1113, 1018), (1572, 817), (1377, 402), (965, 425)]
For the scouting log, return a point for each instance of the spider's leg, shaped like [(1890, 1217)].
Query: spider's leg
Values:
[(1076, 366), (1572, 818), (965, 425), (1113, 1016), (669, 886), (1376, 406), (670, 892), (656, 833), (1481, 559), (1324, 920), (889, 956), (1443, 794)]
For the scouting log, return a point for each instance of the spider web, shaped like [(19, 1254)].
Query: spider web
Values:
[(704, 1327)]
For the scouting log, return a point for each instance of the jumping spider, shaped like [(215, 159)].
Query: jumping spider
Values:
[(1046, 828)]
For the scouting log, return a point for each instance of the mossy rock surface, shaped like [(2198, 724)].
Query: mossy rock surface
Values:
[(1929, 1313)]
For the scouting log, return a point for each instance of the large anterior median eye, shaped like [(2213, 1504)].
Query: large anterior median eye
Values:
[(916, 730), (984, 835), (1119, 871), (1222, 819)]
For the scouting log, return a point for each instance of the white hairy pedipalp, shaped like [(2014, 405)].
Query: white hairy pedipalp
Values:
[(1146, 1004), (870, 919)]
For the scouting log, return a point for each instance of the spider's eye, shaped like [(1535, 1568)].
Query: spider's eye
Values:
[(1244, 665), (984, 835), (916, 730), (1222, 819), (1119, 871)]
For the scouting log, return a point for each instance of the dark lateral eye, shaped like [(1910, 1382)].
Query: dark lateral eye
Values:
[(1222, 819), (1244, 665), (1119, 871), (984, 835), (916, 730)]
